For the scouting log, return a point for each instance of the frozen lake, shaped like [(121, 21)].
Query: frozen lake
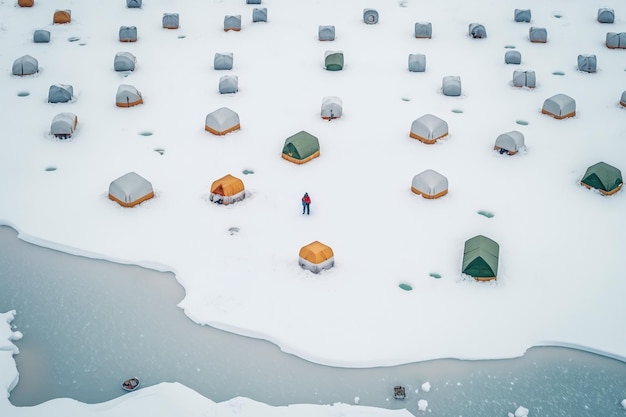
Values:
[(90, 324)]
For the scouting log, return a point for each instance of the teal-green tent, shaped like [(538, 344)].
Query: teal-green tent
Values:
[(480, 258), (603, 177), (301, 147), (333, 60)]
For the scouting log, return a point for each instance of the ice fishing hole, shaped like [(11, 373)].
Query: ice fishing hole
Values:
[(457, 111), (23, 94), (522, 122), (485, 213), (146, 133), (559, 73), (233, 230), (73, 39), (435, 275), (405, 287), (509, 46), (408, 99), (247, 171), (50, 169), (159, 151)]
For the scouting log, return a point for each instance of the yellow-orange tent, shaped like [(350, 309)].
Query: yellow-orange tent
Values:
[(227, 190), (316, 256), (62, 16)]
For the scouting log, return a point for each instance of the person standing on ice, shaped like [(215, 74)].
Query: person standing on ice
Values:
[(306, 203)]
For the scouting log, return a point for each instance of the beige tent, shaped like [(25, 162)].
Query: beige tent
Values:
[(63, 125), (430, 184), (428, 129), (130, 189), (227, 190), (316, 257), (222, 121)]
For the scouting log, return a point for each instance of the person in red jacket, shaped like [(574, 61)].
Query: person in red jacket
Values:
[(306, 202)]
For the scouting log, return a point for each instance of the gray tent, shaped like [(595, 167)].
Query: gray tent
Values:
[(606, 15), (232, 22), (60, 93), (538, 35), (616, 40), (223, 61), (522, 15), (509, 142), (41, 36), (128, 33), (170, 20), (130, 189), (417, 62), (370, 16), (326, 33), (228, 84), (133, 4), (332, 108), (451, 85), (512, 57), (477, 31), (127, 96), (63, 125), (222, 121), (622, 100), (428, 128), (430, 184), (333, 60), (423, 30), (559, 106), (524, 79), (25, 65), (587, 63), (124, 61), (259, 14)]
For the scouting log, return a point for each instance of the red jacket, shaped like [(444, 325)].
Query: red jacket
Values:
[(306, 200)]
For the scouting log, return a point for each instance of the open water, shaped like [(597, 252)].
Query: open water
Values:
[(89, 324)]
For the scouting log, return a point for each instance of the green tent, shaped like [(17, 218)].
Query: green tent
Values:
[(603, 177), (480, 258), (333, 60), (301, 147)]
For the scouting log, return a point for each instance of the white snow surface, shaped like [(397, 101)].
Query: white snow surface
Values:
[(561, 245)]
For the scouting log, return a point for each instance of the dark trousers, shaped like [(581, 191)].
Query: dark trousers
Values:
[(305, 208)]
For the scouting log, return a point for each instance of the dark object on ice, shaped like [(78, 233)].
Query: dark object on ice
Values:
[(130, 384), (399, 392)]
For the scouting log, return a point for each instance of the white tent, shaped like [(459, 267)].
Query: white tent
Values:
[(222, 121), (451, 85), (124, 61), (259, 14), (228, 84), (559, 106), (127, 96), (232, 22), (223, 61), (622, 100), (326, 33), (370, 16), (509, 142), (170, 20), (429, 128), (513, 57), (128, 34), (41, 36), (615, 40), (25, 65), (417, 62), (524, 79), (606, 15), (538, 35), (60, 93), (522, 15), (423, 30), (63, 125), (430, 184), (477, 31), (332, 108), (130, 189), (587, 63)]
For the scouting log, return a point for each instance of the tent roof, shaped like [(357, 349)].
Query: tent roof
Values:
[(603, 176), (305, 143), (316, 252), (228, 185), (222, 119), (480, 257)]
